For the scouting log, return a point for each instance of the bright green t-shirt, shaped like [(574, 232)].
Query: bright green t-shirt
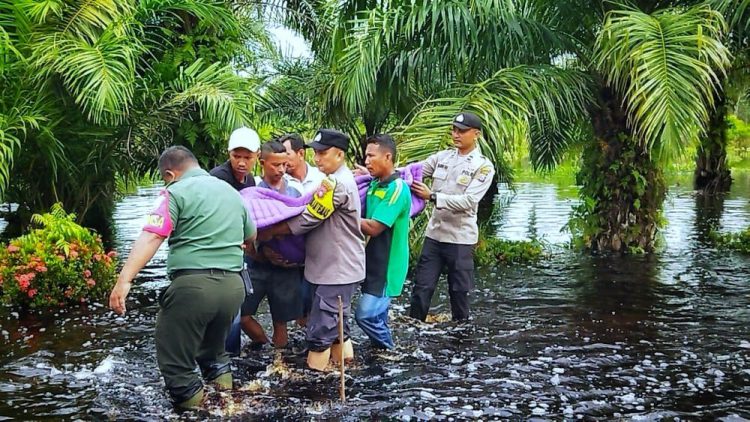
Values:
[(387, 255)]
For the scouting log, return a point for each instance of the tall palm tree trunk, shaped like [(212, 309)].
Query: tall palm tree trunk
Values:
[(712, 173), (622, 187)]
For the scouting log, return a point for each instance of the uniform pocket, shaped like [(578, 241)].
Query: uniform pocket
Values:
[(440, 173), (465, 257)]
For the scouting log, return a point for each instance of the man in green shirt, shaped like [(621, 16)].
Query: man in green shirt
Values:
[(387, 252), (201, 216)]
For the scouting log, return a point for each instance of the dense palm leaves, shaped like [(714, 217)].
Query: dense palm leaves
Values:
[(667, 67), (99, 87), (640, 79)]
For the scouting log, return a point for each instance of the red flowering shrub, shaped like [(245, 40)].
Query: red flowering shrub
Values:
[(58, 263)]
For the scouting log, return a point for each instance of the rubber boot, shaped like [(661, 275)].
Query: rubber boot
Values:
[(191, 403), (348, 352), (223, 381), (318, 360)]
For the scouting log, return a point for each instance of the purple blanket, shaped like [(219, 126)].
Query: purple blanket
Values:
[(268, 207)]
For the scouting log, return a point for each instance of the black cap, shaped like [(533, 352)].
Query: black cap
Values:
[(326, 138), (467, 121)]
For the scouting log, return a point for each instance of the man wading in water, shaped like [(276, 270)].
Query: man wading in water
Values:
[(387, 224), (335, 248), (206, 224), (271, 278), (460, 178)]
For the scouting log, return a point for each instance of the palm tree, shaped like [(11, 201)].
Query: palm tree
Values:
[(96, 88), (712, 172), (634, 86)]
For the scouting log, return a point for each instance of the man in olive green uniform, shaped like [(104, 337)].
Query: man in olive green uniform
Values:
[(460, 178), (206, 224)]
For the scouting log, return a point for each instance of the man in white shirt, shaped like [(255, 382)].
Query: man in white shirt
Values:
[(300, 174)]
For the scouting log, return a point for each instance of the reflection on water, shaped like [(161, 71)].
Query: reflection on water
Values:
[(576, 337)]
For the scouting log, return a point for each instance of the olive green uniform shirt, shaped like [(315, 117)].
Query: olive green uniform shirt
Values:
[(207, 215)]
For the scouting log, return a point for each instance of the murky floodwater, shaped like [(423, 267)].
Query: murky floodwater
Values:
[(576, 337)]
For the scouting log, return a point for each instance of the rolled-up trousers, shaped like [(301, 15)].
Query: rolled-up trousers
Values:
[(323, 322)]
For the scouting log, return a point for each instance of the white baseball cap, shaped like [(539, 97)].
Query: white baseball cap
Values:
[(244, 137)]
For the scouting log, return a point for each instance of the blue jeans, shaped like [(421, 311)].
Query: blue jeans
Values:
[(233, 343), (372, 317)]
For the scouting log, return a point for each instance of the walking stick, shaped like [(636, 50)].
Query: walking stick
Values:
[(342, 390)]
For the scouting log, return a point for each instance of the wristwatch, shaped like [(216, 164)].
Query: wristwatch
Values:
[(433, 197)]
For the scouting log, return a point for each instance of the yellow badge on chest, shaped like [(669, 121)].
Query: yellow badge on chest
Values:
[(321, 206), (463, 179)]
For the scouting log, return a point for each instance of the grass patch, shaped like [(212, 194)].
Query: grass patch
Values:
[(739, 241), (493, 251)]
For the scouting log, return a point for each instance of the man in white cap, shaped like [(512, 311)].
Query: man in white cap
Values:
[(244, 144)]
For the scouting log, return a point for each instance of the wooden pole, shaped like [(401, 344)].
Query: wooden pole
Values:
[(342, 389)]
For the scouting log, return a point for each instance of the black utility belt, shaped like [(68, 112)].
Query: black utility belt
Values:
[(203, 271)]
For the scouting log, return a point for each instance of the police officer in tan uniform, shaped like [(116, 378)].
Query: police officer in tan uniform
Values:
[(460, 178), (334, 248)]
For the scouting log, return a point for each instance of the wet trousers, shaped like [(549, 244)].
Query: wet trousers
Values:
[(372, 317), (459, 261), (323, 322), (195, 314)]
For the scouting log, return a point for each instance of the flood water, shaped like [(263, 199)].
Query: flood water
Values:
[(663, 337)]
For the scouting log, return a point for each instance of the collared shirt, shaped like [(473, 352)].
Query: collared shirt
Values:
[(311, 182), (387, 254), (206, 214), (334, 245), (459, 182), (224, 172)]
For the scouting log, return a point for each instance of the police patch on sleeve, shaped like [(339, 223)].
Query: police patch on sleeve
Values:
[(483, 172), (321, 206)]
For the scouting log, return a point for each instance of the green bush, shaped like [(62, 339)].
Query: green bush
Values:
[(59, 263), (494, 251), (739, 241), (738, 135)]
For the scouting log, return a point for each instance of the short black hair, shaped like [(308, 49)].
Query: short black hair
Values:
[(272, 147), (176, 158), (383, 140), (295, 141)]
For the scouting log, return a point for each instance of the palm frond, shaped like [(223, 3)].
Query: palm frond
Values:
[(667, 66), (99, 74), (510, 103), (221, 96), (407, 46), (736, 13)]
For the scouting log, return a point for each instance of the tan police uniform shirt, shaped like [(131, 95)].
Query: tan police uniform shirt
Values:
[(459, 182), (334, 245)]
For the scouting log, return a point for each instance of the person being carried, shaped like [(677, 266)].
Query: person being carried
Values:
[(387, 251), (305, 178), (272, 278), (206, 224), (460, 178), (335, 248), (300, 174)]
